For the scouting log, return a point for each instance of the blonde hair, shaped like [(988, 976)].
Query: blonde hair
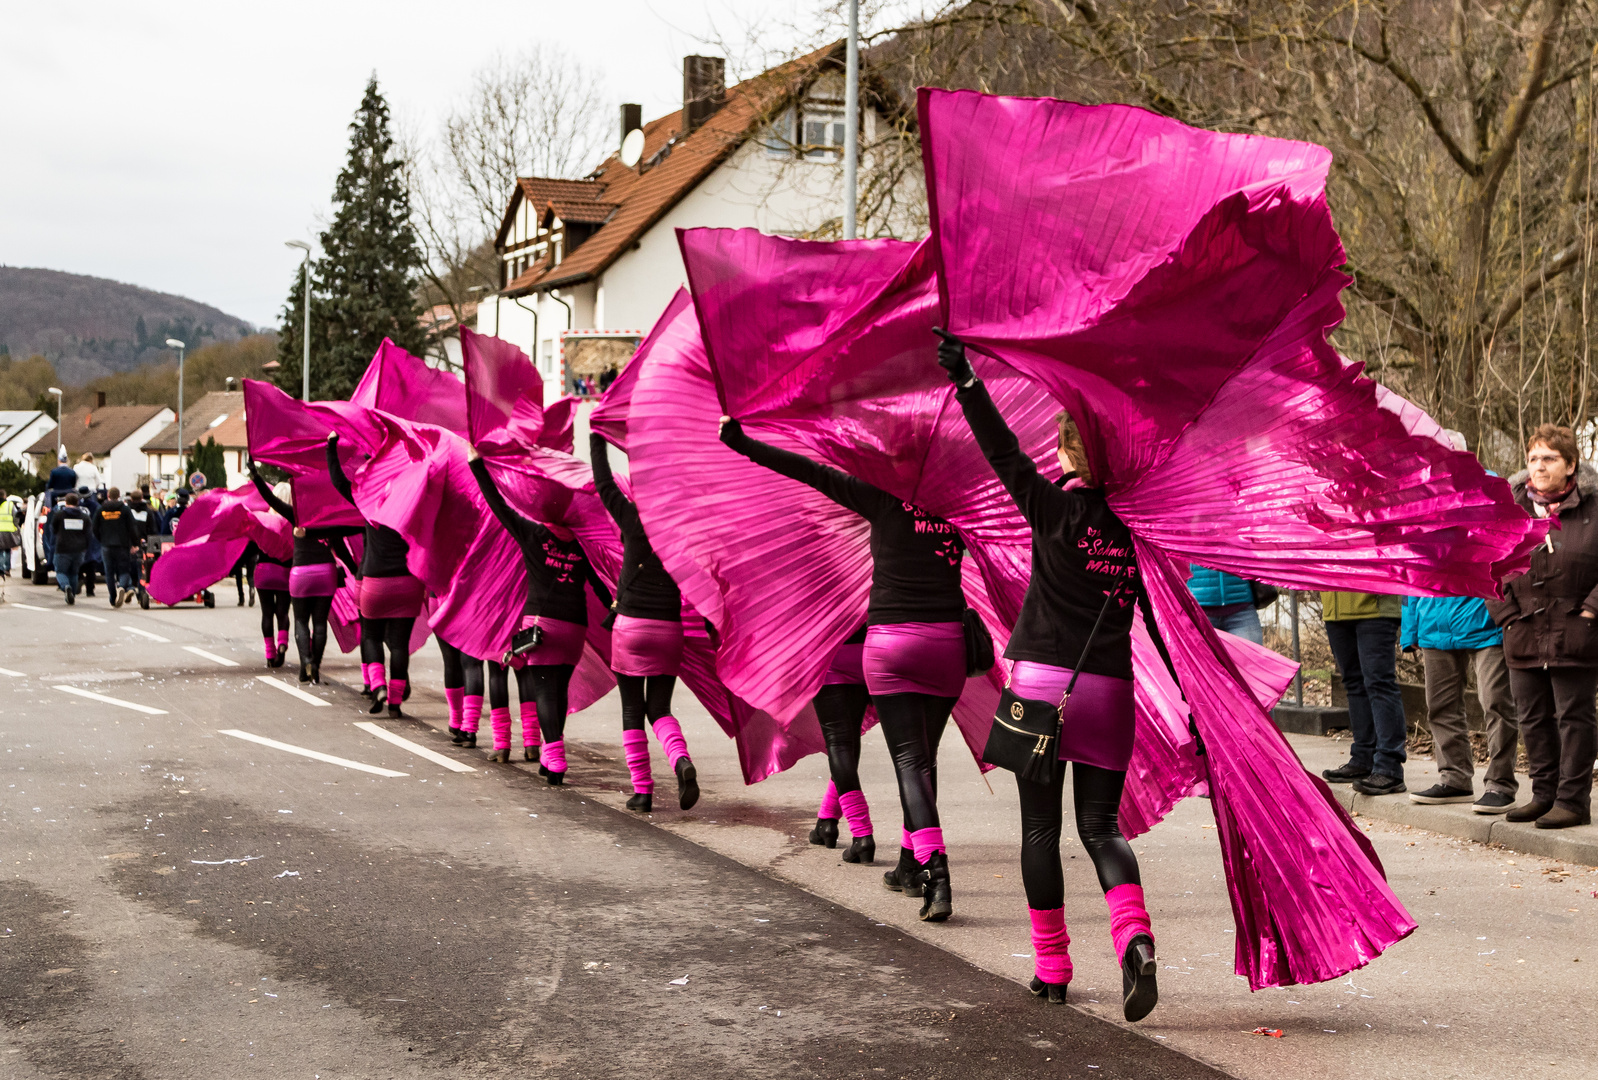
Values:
[(1070, 444)]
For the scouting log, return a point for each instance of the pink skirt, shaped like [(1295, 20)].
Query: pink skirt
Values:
[(391, 597), (915, 658), (1098, 725), (317, 579), (561, 643), (847, 666), (646, 646), (271, 575)]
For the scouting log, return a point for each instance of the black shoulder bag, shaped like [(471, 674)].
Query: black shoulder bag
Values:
[(1025, 737)]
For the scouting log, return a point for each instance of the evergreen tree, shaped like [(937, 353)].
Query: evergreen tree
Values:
[(291, 339), (207, 458), (363, 285)]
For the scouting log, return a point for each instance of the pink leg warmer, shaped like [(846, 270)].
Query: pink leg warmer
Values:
[(904, 839), (636, 746), (500, 718), (1128, 916), (270, 647), (1051, 946), (396, 690), (858, 813), (830, 807), (454, 696), (471, 712), (372, 674), (282, 640), (925, 843), (669, 732), (554, 756), (530, 733)]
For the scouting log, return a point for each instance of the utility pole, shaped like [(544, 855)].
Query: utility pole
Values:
[(305, 366), (851, 121)]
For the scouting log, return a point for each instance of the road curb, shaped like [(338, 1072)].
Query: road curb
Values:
[(1575, 845)]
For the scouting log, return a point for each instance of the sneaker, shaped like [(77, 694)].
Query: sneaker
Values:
[(1346, 774), (1493, 802), (1442, 793), (1377, 784), (72, 598)]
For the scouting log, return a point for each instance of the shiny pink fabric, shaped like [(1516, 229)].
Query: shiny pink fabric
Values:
[(399, 383), (217, 527), (505, 399)]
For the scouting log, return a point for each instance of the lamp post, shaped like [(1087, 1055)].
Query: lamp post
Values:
[(174, 343), (56, 390), (851, 120), (305, 366)]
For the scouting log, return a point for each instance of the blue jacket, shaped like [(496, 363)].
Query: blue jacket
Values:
[(1217, 588), (1449, 622)]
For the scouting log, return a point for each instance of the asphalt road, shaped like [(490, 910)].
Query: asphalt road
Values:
[(178, 901)]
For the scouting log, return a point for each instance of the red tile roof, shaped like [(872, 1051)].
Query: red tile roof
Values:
[(197, 421), (96, 431), (639, 200)]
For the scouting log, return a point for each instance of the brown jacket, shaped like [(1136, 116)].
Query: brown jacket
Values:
[(1541, 609)]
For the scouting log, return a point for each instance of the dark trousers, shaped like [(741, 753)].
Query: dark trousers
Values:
[(1559, 721), (1366, 654), (119, 568)]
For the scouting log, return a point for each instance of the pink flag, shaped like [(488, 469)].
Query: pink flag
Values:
[(399, 383), (213, 532)]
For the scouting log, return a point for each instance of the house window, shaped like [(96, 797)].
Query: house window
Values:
[(822, 135), (548, 364), (779, 136)]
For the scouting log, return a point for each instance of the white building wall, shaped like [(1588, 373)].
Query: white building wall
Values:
[(24, 438), (123, 466)]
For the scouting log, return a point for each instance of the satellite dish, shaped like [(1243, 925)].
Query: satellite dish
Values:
[(632, 147)]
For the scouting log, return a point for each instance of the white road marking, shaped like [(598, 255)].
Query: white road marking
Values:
[(317, 754), (81, 615), (420, 751), (30, 607), (146, 633), (293, 690), (92, 696), (224, 661), (13, 674)]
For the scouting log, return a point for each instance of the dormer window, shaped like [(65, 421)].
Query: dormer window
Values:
[(822, 130)]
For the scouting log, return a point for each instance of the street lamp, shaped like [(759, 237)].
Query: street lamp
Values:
[(851, 119), (174, 343), (57, 392), (305, 366)]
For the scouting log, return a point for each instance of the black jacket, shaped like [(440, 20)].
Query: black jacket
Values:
[(556, 568), (1541, 612), (646, 590), (1080, 553), (317, 546), (383, 554), (114, 526), (70, 526), (915, 556), (145, 520)]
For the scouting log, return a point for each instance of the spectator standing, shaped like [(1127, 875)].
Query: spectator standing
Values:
[(118, 534), (11, 518), (1362, 629), (1228, 602), (88, 474), (69, 524), (1550, 638)]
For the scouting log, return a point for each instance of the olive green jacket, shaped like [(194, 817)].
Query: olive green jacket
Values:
[(1350, 606)]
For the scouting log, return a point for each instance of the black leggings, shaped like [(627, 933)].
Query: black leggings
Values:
[(498, 686), (644, 696), (1096, 796), (274, 611), (310, 626), (396, 634), (913, 725), (239, 574), (841, 708), (546, 686), (461, 672)]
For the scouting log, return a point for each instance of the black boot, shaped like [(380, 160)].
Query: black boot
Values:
[(906, 877), (316, 673), (862, 849), (937, 903), (457, 736), (500, 755), (530, 753), (278, 659), (394, 711), (643, 802), (379, 696), (825, 834), (687, 784), (1053, 993), (1138, 992), (471, 740), (305, 672)]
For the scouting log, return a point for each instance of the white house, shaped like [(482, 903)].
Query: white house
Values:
[(218, 415), (587, 266), (113, 434), (20, 429)]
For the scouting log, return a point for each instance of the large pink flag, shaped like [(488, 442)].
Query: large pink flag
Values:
[(212, 533), (397, 382)]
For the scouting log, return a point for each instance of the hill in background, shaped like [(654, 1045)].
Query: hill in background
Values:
[(89, 327)]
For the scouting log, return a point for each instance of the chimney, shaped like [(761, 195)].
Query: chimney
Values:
[(99, 399), (632, 118), (704, 89)]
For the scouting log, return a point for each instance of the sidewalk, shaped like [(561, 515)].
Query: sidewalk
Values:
[(1577, 845)]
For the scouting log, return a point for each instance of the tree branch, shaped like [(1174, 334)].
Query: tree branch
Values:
[(1533, 283), (1428, 108)]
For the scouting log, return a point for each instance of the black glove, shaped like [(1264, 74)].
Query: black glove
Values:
[(732, 432), (951, 357)]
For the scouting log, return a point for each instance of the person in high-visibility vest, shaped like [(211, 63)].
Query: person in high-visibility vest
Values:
[(11, 515)]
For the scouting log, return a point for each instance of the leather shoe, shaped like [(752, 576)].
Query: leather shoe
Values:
[(1562, 817), (1530, 812)]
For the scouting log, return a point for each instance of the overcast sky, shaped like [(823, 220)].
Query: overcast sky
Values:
[(176, 145)]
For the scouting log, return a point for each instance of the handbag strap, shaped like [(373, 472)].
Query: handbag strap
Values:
[(1087, 647)]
